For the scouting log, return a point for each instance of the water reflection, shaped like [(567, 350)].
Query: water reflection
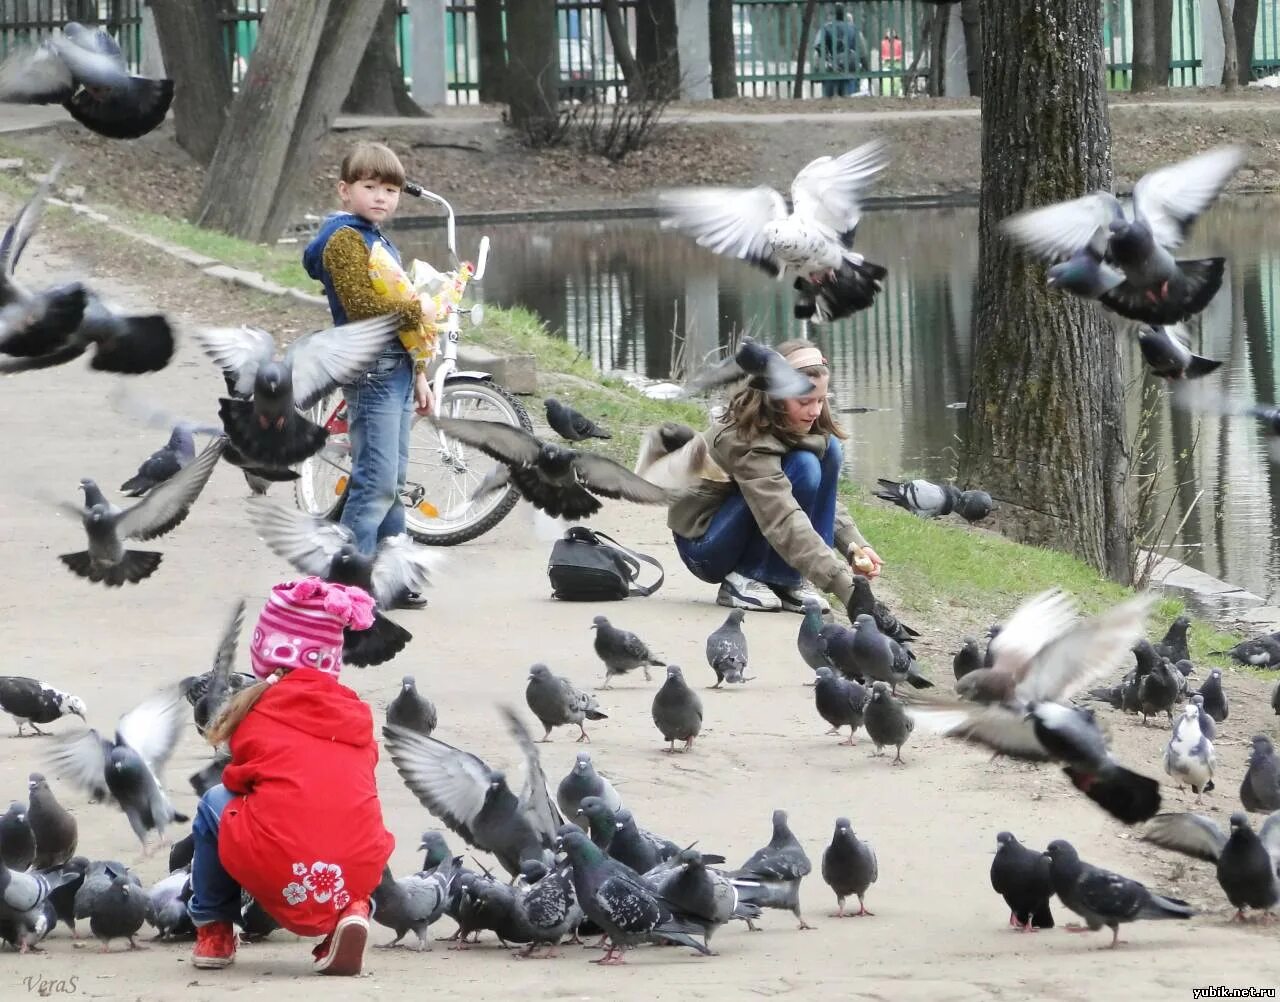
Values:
[(633, 297)]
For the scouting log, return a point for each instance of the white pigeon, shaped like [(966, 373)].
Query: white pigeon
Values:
[(1189, 757)]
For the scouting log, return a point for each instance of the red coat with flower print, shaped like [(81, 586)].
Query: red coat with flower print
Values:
[(305, 836)]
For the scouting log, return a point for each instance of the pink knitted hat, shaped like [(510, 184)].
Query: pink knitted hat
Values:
[(301, 626)]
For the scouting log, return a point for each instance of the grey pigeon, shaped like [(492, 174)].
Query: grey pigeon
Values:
[(601, 822), (128, 771), (1207, 727), (727, 650), (571, 425), (474, 800), (549, 907), (849, 867), (204, 780), (1260, 789), (930, 500), (53, 826), (162, 464), (762, 367), (619, 901), (490, 904), (1158, 690), (1262, 652), (621, 651), (771, 877), (255, 921), (840, 702), (886, 720), (1174, 644), (1103, 898), (17, 841), (809, 641), (632, 845), (1167, 352), (1189, 756), (106, 561), (1275, 699), (1248, 862), (97, 876), (413, 903), (865, 654), (25, 930), (565, 483), (701, 893), (555, 701), (118, 913), (25, 901), (411, 710), (677, 711), (218, 689), (436, 848), (182, 853), (1125, 260), (1215, 699), (1024, 879), (167, 906), (863, 600), (967, 659), (268, 428), (583, 781), (30, 701), (63, 898)]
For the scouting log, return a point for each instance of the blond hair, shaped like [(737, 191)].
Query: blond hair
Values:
[(237, 708), (372, 161), (756, 413)]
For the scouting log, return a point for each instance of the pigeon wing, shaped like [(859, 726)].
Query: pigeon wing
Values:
[(1004, 730), (82, 761), (449, 782), (224, 658), (499, 441), (35, 75), (91, 62), (1190, 834), (782, 380), (19, 232), (401, 565), (153, 727), (335, 357), (167, 504), (601, 475), (1058, 231), (1033, 625), (729, 221), (1170, 199), (1269, 834), (536, 801), (830, 189), (308, 542), (238, 351)]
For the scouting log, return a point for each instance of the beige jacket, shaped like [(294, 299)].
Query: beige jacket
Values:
[(755, 467)]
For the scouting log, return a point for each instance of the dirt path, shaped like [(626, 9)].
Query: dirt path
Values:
[(939, 933)]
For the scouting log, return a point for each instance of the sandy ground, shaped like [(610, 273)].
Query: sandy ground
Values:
[(939, 933)]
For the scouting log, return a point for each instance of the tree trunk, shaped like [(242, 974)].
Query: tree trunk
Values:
[(192, 45), (937, 53), (1146, 70), (1164, 40), (806, 38), (1245, 19), (491, 50), (971, 19), (1045, 428), (378, 87), (301, 69), (533, 64), (724, 54), (657, 47), (1230, 66), (617, 26)]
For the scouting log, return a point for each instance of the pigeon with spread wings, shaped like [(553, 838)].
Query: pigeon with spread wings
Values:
[(562, 482), (762, 367), (474, 800)]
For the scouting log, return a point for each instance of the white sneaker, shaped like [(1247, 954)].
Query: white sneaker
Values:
[(792, 597), (739, 592)]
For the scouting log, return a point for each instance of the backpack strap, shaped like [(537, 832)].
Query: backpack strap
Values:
[(631, 559)]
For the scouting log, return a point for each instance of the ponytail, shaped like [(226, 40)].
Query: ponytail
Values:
[(238, 707)]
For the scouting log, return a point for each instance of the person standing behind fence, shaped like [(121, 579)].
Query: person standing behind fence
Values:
[(842, 51), (891, 63)]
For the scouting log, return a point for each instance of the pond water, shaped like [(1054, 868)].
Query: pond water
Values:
[(635, 298)]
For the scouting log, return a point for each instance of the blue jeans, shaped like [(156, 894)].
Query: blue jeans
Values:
[(841, 88), (379, 416), (733, 541), (215, 896)]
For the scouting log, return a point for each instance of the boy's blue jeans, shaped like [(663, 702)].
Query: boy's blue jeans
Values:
[(379, 416), (215, 896), (733, 541)]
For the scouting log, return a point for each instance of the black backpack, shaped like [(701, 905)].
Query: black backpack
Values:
[(589, 566)]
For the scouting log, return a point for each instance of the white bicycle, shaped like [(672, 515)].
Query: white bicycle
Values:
[(442, 473)]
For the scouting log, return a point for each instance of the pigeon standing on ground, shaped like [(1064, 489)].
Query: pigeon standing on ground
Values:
[(555, 702), (583, 781), (1189, 757), (571, 425), (411, 710), (840, 702), (771, 877), (621, 651), (1261, 652), (1158, 688), (1260, 789), (167, 906), (864, 652), (1174, 644), (436, 848), (413, 903), (1207, 727), (1023, 878), (1248, 862), (1215, 698), (53, 826), (727, 650), (677, 711), (25, 930), (23, 897), (863, 601), (930, 500), (1103, 898), (550, 907), (162, 464), (1275, 699), (30, 701), (809, 641), (17, 841), (849, 867), (97, 877), (632, 846), (967, 659), (128, 770), (701, 894), (118, 913), (886, 720), (600, 821), (1167, 352), (218, 689), (166, 506)]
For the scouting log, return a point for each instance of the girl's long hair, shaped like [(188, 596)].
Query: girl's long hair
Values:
[(756, 414), (238, 707)]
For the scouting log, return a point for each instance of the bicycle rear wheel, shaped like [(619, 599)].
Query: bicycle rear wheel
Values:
[(321, 487)]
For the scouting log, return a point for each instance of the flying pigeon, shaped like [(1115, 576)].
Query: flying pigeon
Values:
[(840, 701), (569, 424), (621, 651), (1167, 352), (676, 457), (411, 710), (583, 781), (1125, 260), (814, 241), (1023, 878), (849, 867), (560, 481), (218, 688), (53, 826), (85, 71), (677, 711), (1189, 756), (763, 368), (163, 463), (727, 650), (106, 561), (930, 500), (555, 701), (268, 428), (771, 877), (128, 771), (30, 702)]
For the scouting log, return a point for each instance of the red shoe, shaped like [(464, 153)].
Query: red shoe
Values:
[(342, 951), (215, 946)]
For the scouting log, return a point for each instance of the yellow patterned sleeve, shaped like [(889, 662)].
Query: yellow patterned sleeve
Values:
[(346, 258)]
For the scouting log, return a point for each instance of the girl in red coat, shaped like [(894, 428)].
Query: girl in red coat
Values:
[(296, 821)]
